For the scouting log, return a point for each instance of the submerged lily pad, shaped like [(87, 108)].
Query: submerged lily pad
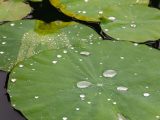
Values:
[(11, 10), (47, 90), (135, 23), (22, 39)]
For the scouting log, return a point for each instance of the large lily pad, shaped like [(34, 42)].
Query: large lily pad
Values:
[(22, 39), (135, 23), (11, 10), (68, 84)]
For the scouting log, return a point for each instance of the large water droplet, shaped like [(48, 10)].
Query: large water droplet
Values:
[(85, 53), (109, 73), (122, 88), (83, 84)]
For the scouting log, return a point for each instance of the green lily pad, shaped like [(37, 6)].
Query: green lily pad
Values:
[(91, 9), (69, 84), (11, 10), (22, 39), (135, 23)]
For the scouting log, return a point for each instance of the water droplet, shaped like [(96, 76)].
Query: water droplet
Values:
[(83, 84), (157, 116), (80, 60), (123, 27), (109, 73), (146, 94), (13, 80), (33, 69), (121, 117), (3, 43), (64, 118), (146, 87), (82, 96), (14, 105), (89, 102), (54, 62), (1, 52), (106, 30), (122, 58), (85, 0), (133, 25), (36, 97), (112, 18), (109, 99), (21, 66), (122, 88), (12, 24), (4, 37), (99, 84), (59, 56), (100, 63), (64, 51), (85, 53), (100, 12), (135, 44), (77, 109), (114, 103)]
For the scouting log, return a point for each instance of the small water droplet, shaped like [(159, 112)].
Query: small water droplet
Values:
[(33, 69), (135, 44), (109, 73), (109, 99), (106, 30), (83, 84), (12, 24), (82, 96), (21, 66), (133, 25), (13, 80), (100, 12), (122, 88), (122, 58), (36, 97), (64, 51), (59, 56), (85, 0), (157, 116), (1, 52), (77, 109), (89, 102), (112, 18), (146, 87), (80, 60), (64, 118), (85, 53), (99, 84), (146, 94), (100, 63), (4, 37), (114, 103), (3, 43), (54, 62)]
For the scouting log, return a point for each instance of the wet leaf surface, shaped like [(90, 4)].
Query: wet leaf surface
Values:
[(67, 85)]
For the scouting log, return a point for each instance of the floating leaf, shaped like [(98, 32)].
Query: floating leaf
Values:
[(11, 10), (135, 23), (22, 39), (91, 9), (73, 87)]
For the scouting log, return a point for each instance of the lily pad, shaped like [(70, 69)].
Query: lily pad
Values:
[(22, 39), (91, 9), (11, 10), (58, 85), (135, 23)]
